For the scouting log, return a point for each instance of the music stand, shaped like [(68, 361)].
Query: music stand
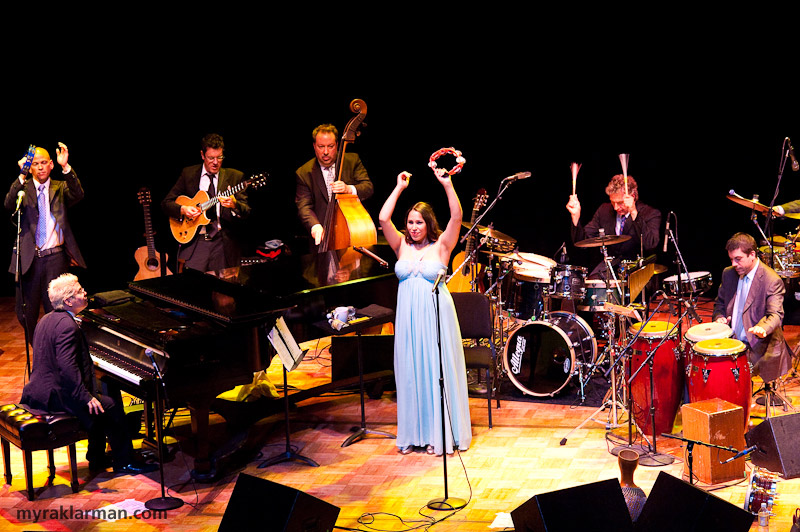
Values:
[(291, 355), (367, 317)]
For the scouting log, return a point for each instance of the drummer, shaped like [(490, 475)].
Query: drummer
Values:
[(623, 214), (758, 323)]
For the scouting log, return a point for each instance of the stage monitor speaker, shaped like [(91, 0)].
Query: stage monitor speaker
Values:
[(677, 505), (260, 504), (777, 447), (377, 351), (598, 507)]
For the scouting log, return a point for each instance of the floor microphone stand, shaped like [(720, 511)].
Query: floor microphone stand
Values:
[(20, 292), (446, 502), (164, 502)]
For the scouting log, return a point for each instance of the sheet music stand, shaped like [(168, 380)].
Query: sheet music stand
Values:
[(366, 317)]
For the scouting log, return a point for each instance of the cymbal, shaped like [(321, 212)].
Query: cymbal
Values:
[(659, 268), (751, 204), (606, 240), (491, 233)]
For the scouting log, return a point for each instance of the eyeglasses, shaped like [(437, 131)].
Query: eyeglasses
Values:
[(217, 158)]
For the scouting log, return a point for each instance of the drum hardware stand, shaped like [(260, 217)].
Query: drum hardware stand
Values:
[(653, 458), (611, 398), (691, 303)]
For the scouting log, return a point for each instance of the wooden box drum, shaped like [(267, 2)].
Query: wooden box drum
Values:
[(719, 368), (542, 356), (668, 376)]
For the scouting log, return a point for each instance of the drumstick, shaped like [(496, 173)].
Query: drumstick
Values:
[(574, 167), (623, 159)]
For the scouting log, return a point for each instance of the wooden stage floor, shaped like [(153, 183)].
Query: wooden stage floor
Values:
[(375, 487)]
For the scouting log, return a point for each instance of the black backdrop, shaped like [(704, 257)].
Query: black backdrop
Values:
[(690, 141)]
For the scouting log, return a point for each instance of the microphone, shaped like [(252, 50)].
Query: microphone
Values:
[(518, 176), (741, 453), (20, 195), (795, 164), (439, 278), (666, 234), (149, 353)]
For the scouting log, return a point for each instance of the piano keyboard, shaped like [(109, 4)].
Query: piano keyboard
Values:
[(119, 367)]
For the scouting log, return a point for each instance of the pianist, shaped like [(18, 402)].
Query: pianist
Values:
[(63, 380)]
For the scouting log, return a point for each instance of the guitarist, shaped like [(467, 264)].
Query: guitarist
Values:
[(316, 185), (215, 246)]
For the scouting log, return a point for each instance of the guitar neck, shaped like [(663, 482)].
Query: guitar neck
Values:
[(224, 194), (148, 232)]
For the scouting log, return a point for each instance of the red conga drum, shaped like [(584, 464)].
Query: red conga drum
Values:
[(719, 368), (668, 376)]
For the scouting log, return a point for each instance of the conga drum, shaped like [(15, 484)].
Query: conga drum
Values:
[(703, 331), (720, 368), (668, 376)]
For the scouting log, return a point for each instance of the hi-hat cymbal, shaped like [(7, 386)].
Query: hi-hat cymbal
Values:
[(491, 233), (606, 240)]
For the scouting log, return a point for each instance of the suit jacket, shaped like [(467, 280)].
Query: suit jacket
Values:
[(62, 377), (770, 356), (311, 193), (63, 194), (188, 184), (647, 226)]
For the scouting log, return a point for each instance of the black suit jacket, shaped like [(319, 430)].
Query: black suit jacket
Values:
[(63, 194), (646, 227), (62, 377), (770, 356), (311, 193), (188, 184)]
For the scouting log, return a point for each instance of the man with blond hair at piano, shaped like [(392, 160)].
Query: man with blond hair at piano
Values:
[(63, 380)]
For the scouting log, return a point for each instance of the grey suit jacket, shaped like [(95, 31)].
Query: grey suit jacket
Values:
[(770, 356)]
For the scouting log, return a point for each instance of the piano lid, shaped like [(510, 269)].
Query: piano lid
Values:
[(291, 277)]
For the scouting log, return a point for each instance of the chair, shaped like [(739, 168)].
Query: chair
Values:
[(475, 320)]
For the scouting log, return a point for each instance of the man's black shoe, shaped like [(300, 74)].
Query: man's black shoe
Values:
[(100, 465), (135, 468)]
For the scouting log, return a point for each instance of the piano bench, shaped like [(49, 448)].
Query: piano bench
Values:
[(29, 431)]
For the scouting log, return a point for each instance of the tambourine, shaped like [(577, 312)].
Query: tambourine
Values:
[(444, 151)]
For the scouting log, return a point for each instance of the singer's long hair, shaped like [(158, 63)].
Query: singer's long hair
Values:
[(431, 225)]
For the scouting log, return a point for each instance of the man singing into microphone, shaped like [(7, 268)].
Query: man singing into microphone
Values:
[(750, 300), (47, 244), (623, 214)]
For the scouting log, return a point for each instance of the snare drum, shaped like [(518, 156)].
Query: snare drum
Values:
[(719, 368), (700, 280), (542, 356), (568, 282), (668, 376), (596, 295)]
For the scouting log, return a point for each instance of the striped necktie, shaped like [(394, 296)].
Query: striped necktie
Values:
[(41, 225)]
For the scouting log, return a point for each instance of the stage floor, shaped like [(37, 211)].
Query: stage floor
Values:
[(369, 481)]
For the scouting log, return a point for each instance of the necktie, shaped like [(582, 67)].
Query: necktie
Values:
[(329, 177), (41, 225), (212, 215), (620, 224), (741, 296)]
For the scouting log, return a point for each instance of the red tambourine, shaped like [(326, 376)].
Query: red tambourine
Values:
[(445, 151)]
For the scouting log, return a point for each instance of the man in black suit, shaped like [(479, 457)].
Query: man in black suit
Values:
[(216, 245), (623, 214), (316, 181), (760, 324), (47, 244), (63, 380)]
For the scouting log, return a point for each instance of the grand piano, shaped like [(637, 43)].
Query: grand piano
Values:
[(202, 334)]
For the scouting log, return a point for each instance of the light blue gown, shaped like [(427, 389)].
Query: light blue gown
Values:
[(416, 362)]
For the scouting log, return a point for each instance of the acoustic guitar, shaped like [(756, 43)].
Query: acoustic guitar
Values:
[(184, 229), (461, 280), (148, 259)]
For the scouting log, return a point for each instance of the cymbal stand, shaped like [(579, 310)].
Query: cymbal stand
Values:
[(611, 399), (693, 294), (498, 301), (785, 152)]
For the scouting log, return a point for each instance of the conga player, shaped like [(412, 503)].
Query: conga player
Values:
[(750, 300)]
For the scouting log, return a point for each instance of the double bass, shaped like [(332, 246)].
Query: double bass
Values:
[(347, 223)]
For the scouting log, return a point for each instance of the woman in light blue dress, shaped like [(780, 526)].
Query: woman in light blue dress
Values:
[(423, 252)]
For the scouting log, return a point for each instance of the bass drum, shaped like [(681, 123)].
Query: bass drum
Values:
[(540, 357)]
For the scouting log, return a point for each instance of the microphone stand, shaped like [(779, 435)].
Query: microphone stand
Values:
[(446, 502), (690, 447), (769, 213), (164, 502), (20, 292)]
